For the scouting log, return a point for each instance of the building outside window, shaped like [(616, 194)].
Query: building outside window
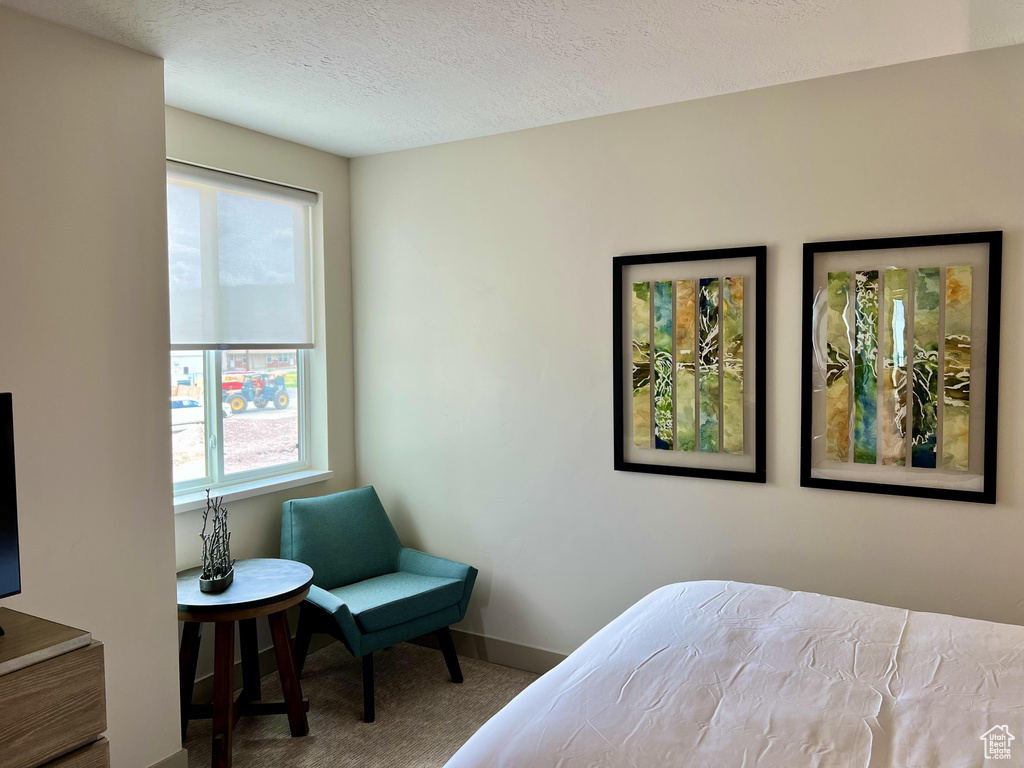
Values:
[(241, 323)]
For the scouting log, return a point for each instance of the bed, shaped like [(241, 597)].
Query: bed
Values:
[(724, 674)]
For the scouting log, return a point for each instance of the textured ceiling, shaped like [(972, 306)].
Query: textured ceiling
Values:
[(357, 77)]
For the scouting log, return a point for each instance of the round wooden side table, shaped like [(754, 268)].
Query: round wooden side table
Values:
[(261, 587)]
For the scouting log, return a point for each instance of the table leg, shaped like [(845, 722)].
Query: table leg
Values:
[(188, 657), (251, 688), (289, 676), (223, 693)]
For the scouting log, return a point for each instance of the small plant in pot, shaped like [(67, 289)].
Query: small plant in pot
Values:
[(218, 567)]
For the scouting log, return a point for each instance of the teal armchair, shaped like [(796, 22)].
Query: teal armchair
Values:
[(368, 590)]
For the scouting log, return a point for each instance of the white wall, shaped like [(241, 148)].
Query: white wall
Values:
[(256, 523), (83, 340), (482, 274)]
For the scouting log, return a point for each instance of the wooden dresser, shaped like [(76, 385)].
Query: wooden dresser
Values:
[(53, 706)]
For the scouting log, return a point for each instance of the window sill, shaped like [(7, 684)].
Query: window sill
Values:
[(187, 502)]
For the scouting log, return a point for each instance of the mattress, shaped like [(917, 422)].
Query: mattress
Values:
[(724, 674)]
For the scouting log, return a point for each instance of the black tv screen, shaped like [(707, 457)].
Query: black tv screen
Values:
[(10, 568)]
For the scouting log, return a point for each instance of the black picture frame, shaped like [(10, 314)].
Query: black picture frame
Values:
[(759, 253), (993, 239)]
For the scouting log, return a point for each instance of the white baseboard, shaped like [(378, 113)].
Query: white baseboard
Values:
[(497, 651), (467, 644), (178, 760)]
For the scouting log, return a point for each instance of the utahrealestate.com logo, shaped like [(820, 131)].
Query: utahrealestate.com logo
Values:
[(997, 742)]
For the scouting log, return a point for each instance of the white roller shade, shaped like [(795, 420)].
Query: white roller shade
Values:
[(239, 261)]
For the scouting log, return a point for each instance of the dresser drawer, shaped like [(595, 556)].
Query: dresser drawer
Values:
[(96, 755), (52, 708)]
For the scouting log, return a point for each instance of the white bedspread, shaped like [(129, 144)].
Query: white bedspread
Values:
[(723, 674)]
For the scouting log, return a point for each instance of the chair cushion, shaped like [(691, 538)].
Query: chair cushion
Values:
[(393, 598)]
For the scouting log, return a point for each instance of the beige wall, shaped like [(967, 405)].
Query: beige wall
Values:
[(83, 340), (482, 273), (256, 523)]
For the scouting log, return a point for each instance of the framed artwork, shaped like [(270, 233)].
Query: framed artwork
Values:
[(689, 360), (901, 365)]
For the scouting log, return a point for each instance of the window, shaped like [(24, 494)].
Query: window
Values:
[(241, 326), (258, 430)]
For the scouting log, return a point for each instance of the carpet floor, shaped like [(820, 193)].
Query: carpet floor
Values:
[(422, 717)]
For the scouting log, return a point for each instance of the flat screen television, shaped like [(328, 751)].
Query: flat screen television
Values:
[(10, 566)]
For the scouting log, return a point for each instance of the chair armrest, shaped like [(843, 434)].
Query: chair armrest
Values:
[(422, 564), (326, 602), (339, 611)]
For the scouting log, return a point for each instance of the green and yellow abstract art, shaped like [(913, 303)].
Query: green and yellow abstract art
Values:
[(663, 366), (865, 376), (894, 368), (837, 375), (686, 365), (708, 332), (927, 295), (732, 365), (956, 402), (934, 305), (642, 365)]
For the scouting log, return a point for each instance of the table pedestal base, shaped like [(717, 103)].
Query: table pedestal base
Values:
[(226, 709)]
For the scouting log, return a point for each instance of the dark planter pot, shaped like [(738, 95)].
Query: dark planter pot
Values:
[(218, 584)]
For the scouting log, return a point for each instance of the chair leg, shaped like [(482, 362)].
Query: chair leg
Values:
[(303, 635), (444, 639), (368, 709)]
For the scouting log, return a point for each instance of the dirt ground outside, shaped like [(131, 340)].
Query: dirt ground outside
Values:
[(253, 439)]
